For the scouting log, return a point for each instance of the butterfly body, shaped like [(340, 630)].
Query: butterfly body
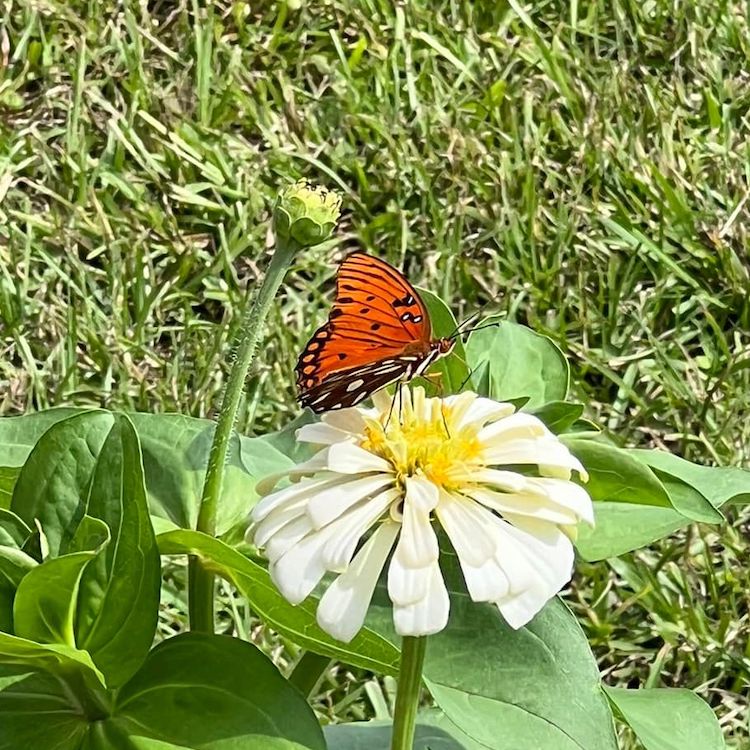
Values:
[(378, 332)]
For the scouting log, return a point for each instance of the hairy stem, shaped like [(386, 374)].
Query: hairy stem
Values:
[(201, 581)]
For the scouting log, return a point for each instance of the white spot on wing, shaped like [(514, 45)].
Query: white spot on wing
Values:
[(354, 385)]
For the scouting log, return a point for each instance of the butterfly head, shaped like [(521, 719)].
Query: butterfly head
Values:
[(443, 345)]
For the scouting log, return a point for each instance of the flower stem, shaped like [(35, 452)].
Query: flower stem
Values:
[(200, 580), (407, 695)]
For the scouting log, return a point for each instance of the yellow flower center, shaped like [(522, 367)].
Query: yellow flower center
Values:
[(430, 447)]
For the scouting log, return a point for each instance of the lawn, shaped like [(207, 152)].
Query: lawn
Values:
[(581, 168)]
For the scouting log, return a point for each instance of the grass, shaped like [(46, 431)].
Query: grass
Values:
[(580, 167)]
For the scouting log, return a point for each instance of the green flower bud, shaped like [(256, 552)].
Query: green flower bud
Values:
[(306, 214)]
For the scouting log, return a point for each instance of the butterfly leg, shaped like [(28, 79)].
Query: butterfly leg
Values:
[(436, 379), (393, 401), (466, 380)]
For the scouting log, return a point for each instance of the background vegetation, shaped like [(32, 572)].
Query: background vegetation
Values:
[(580, 167)]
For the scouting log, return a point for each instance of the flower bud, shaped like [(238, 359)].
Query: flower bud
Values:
[(306, 214)]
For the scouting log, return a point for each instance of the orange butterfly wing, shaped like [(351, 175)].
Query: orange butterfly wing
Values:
[(377, 327)]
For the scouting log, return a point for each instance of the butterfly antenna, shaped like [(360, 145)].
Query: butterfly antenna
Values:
[(457, 331)]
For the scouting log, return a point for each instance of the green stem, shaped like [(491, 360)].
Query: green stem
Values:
[(307, 672), (407, 695), (200, 580)]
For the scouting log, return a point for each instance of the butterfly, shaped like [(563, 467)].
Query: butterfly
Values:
[(377, 333)]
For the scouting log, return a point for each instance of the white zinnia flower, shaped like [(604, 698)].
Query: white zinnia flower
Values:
[(438, 459)]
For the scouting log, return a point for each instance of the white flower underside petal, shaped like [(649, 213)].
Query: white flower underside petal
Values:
[(525, 504), (275, 521), (551, 560), (327, 505), (343, 607), (350, 528), (347, 458), (520, 607), (321, 433), (465, 525), (487, 582), (301, 568), (292, 493), (546, 546), (429, 614), (286, 537), (313, 465)]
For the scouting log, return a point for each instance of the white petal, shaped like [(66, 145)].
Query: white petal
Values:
[(314, 464), (292, 493), (465, 523), (418, 545), (487, 582), (275, 521), (300, 570), (508, 481), (458, 405), (548, 452), (350, 528), (347, 458), (348, 420), (481, 410), (429, 614), (286, 537), (382, 401), (566, 494), (523, 503), (514, 427), (327, 505), (322, 434), (549, 554), (343, 607)]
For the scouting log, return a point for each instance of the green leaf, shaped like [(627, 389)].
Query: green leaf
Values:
[(537, 687), (8, 477), (18, 435), (45, 604), (520, 362), (54, 481), (668, 718), (175, 455), (367, 650), (559, 415), (7, 594), (36, 712), (718, 484), (453, 368), (621, 528), (14, 564), (197, 690), (57, 659), (13, 531), (376, 735), (119, 596), (615, 475)]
